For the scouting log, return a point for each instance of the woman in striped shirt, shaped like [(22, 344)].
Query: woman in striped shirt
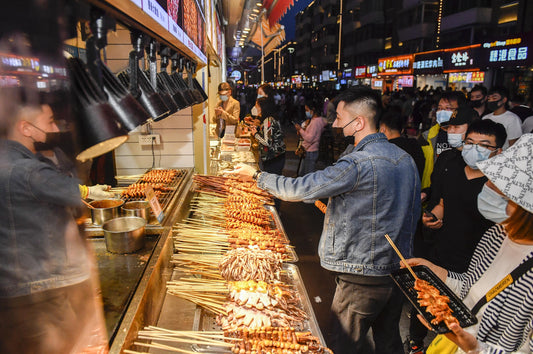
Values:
[(505, 323)]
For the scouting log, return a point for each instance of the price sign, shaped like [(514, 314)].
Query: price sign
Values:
[(154, 203)]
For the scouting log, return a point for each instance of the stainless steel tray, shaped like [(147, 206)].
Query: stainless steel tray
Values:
[(205, 320), (292, 257)]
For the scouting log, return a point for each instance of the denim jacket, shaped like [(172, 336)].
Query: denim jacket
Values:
[(373, 190), (40, 244)]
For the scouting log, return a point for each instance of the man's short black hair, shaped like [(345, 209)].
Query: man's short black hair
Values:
[(479, 88), (456, 96), (489, 127), (370, 99), (392, 120), (502, 91)]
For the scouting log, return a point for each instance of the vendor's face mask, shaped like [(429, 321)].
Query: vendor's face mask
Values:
[(63, 140)]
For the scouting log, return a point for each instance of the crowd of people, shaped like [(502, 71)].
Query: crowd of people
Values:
[(449, 177)]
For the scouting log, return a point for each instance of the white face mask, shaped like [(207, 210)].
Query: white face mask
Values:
[(223, 97), (455, 140), (260, 96), (492, 205), (254, 111), (308, 115), (443, 116), (472, 154)]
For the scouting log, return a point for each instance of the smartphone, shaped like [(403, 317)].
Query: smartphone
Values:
[(431, 215)]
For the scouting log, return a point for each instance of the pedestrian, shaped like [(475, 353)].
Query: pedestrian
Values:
[(497, 102), (373, 190), (310, 135), (227, 109), (497, 285)]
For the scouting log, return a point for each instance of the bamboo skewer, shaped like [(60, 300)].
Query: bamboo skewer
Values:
[(401, 256), (166, 347)]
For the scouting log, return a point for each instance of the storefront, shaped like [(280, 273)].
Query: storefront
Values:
[(392, 69), (428, 70), (462, 66)]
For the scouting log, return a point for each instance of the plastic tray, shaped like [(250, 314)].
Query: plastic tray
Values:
[(404, 279)]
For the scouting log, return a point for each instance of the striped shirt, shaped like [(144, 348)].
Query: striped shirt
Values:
[(507, 322)]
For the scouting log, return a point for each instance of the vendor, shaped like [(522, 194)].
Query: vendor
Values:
[(48, 298)]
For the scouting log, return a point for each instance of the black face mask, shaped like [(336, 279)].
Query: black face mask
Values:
[(476, 103), (493, 105), (62, 140)]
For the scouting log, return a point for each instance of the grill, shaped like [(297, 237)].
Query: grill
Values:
[(163, 187)]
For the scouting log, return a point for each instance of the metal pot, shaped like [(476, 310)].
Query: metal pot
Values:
[(124, 234), (104, 210), (139, 208)]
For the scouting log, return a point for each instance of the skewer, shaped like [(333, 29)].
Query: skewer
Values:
[(87, 204), (401, 257), (162, 346)]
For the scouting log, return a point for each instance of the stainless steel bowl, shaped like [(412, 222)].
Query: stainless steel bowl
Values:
[(105, 210), (125, 234), (139, 208)]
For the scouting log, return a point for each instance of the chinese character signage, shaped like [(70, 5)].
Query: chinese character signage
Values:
[(461, 59), (396, 65), (405, 81), (429, 62), (360, 72), (371, 70), (508, 52), (475, 77)]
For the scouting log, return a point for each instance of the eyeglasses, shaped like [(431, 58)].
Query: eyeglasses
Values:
[(486, 146)]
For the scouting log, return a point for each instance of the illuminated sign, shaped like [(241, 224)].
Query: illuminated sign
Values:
[(236, 74), (360, 72), (511, 51), (371, 70), (469, 77), (405, 81), (461, 59), (377, 84), (428, 62), (395, 65)]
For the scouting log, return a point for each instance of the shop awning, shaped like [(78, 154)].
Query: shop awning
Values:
[(276, 9), (272, 36)]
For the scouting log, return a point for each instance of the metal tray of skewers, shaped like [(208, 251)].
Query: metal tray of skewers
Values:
[(292, 257), (164, 182), (405, 281), (206, 321)]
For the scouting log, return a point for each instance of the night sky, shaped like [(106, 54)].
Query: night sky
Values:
[(290, 17)]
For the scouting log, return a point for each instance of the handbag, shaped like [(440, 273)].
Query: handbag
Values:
[(442, 345)]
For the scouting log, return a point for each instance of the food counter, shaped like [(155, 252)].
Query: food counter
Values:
[(195, 206)]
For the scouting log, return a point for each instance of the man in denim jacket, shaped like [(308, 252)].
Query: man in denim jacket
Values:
[(373, 190), (46, 293)]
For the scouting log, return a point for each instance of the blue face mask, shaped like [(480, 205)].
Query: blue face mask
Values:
[(455, 140), (492, 205), (443, 116), (472, 154), (308, 115), (260, 96)]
